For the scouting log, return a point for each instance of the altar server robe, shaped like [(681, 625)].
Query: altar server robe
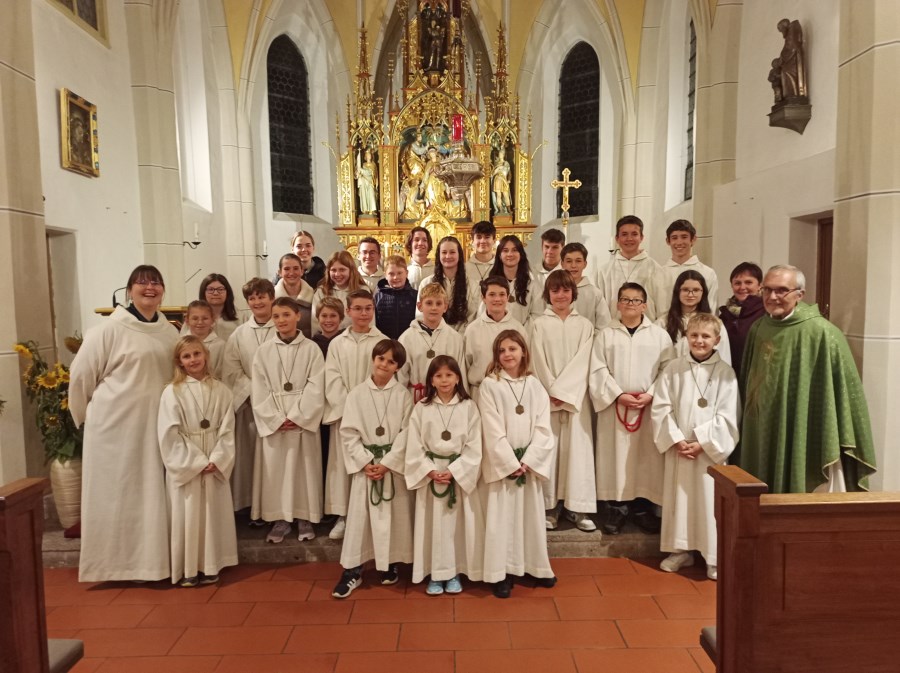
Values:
[(348, 364), (514, 514), (561, 356), (237, 367), (287, 471), (117, 378), (688, 520), (216, 347), (383, 532), (533, 306), (447, 540), (308, 323), (641, 269), (415, 272), (443, 341), (203, 537), (628, 464), (337, 294), (477, 271), (479, 345), (682, 347), (668, 273), (473, 298)]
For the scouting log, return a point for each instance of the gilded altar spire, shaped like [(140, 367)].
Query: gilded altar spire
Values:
[(501, 83), (364, 106)]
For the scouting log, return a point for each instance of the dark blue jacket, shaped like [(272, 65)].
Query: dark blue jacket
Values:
[(394, 309)]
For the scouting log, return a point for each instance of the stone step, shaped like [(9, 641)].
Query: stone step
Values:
[(565, 542)]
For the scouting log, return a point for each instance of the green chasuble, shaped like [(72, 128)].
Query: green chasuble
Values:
[(804, 407)]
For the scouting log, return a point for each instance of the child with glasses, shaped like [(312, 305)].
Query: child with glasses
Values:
[(689, 297)]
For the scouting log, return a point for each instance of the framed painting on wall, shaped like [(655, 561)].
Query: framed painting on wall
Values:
[(78, 134)]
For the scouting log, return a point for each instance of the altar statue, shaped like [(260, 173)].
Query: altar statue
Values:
[(500, 184), (792, 61), (367, 183), (437, 192)]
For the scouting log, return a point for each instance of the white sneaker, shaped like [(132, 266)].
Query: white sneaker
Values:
[(337, 531), (676, 561), (552, 519), (305, 530), (278, 531), (581, 521), (711, 572)]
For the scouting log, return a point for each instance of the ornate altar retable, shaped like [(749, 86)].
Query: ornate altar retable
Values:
[(432, 161)]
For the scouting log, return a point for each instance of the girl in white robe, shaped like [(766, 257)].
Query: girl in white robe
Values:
[(561, 351), (196, 440), (518, 454), (443, 462), (237, 368), (380, 516), (116, 382), (288, 397), (199, 321), (349, 363), (695, 423), (628, 357), (688, 298)]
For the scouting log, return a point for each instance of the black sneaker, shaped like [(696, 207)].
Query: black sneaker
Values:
[(503, 588), (208, 579), (545, 582), (614, 521), (391, 575), (647, 522), (350, 580)]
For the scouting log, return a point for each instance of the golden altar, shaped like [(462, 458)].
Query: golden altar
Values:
[(431, 161)]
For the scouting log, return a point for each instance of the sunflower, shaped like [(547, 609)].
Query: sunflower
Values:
[(23, 350), (50, 380)]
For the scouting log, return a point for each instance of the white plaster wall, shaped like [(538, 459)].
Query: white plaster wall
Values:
[(103, 213), (759, 146)]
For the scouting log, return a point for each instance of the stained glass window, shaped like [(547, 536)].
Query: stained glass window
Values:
[(579, 127), (692, 95)]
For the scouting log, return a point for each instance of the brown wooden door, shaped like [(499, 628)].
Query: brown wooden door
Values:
[(823, 265)]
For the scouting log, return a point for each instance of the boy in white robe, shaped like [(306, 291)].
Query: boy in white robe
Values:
[(518, 455), (481, 332), (561, 352), (695, 424), (196, 440), (627, 359), (348, 364), (418, 245), (237, 368), (552, 242), (426, 338), (590, 303), (200, 322), (288, 396), (681, 237), (443, 463), (479, 265), (380, 516), (629, 264), (369, 268)]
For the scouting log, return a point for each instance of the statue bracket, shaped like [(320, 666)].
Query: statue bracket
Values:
[(793, 114)]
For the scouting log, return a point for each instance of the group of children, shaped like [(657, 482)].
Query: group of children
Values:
[(434, 436)]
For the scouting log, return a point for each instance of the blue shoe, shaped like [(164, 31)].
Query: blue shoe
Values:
[(453, 586), (434, 588)]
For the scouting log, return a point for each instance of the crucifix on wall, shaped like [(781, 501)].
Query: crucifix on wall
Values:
[(566, 185)]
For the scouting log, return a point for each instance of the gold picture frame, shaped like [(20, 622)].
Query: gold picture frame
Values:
[(78, 134)]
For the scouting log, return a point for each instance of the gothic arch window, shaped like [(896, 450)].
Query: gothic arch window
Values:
[(289, 135), (579, 127), (691, 99)]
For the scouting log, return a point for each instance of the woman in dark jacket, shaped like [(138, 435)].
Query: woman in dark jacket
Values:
[(743, 309)]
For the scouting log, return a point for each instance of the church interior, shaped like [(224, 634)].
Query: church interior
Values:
[(200, 135)]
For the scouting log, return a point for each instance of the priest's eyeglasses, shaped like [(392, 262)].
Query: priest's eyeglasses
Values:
[(631, 301), (777, 291)]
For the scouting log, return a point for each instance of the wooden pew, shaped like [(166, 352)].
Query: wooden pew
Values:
[(23, 625), (807, 582)]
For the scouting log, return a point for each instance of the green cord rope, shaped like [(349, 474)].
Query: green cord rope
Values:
[(376, 488), (520, 453), (451, 487)]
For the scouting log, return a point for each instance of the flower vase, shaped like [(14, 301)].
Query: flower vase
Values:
[(65, 478)]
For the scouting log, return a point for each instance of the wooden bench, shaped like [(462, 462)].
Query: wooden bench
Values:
[(807, 582), (23, 625)]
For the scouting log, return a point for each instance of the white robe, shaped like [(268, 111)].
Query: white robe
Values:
[(477, 271), (689, 520), (237, 367), (514, 514), (203, 537), (415, 272), (447, 541), (668, 273), (533, 306), (305, 298), (443, 341), (628, 464), (371, 280), (540, 275), (641, 269), (287, 472), (339, 294), (383, 532), (561, 356), (479, 346), (592, 305), (473, 299), (348, 364), (117, 378), (682, 347), (216, 347)]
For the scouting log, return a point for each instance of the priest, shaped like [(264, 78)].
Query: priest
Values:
[(806, 424)]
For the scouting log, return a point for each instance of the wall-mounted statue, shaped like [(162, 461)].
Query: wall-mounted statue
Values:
[(500, 184), (367, 183), (788, 79)]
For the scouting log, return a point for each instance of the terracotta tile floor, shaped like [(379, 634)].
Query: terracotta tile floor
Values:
[(605, 614)]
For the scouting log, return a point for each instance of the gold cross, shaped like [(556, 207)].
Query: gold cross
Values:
[(566, 185)]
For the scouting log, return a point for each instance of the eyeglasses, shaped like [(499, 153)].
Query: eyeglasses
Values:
[(216, 290), (149, 283), (778, 291), (631, 301), (691, 290)]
